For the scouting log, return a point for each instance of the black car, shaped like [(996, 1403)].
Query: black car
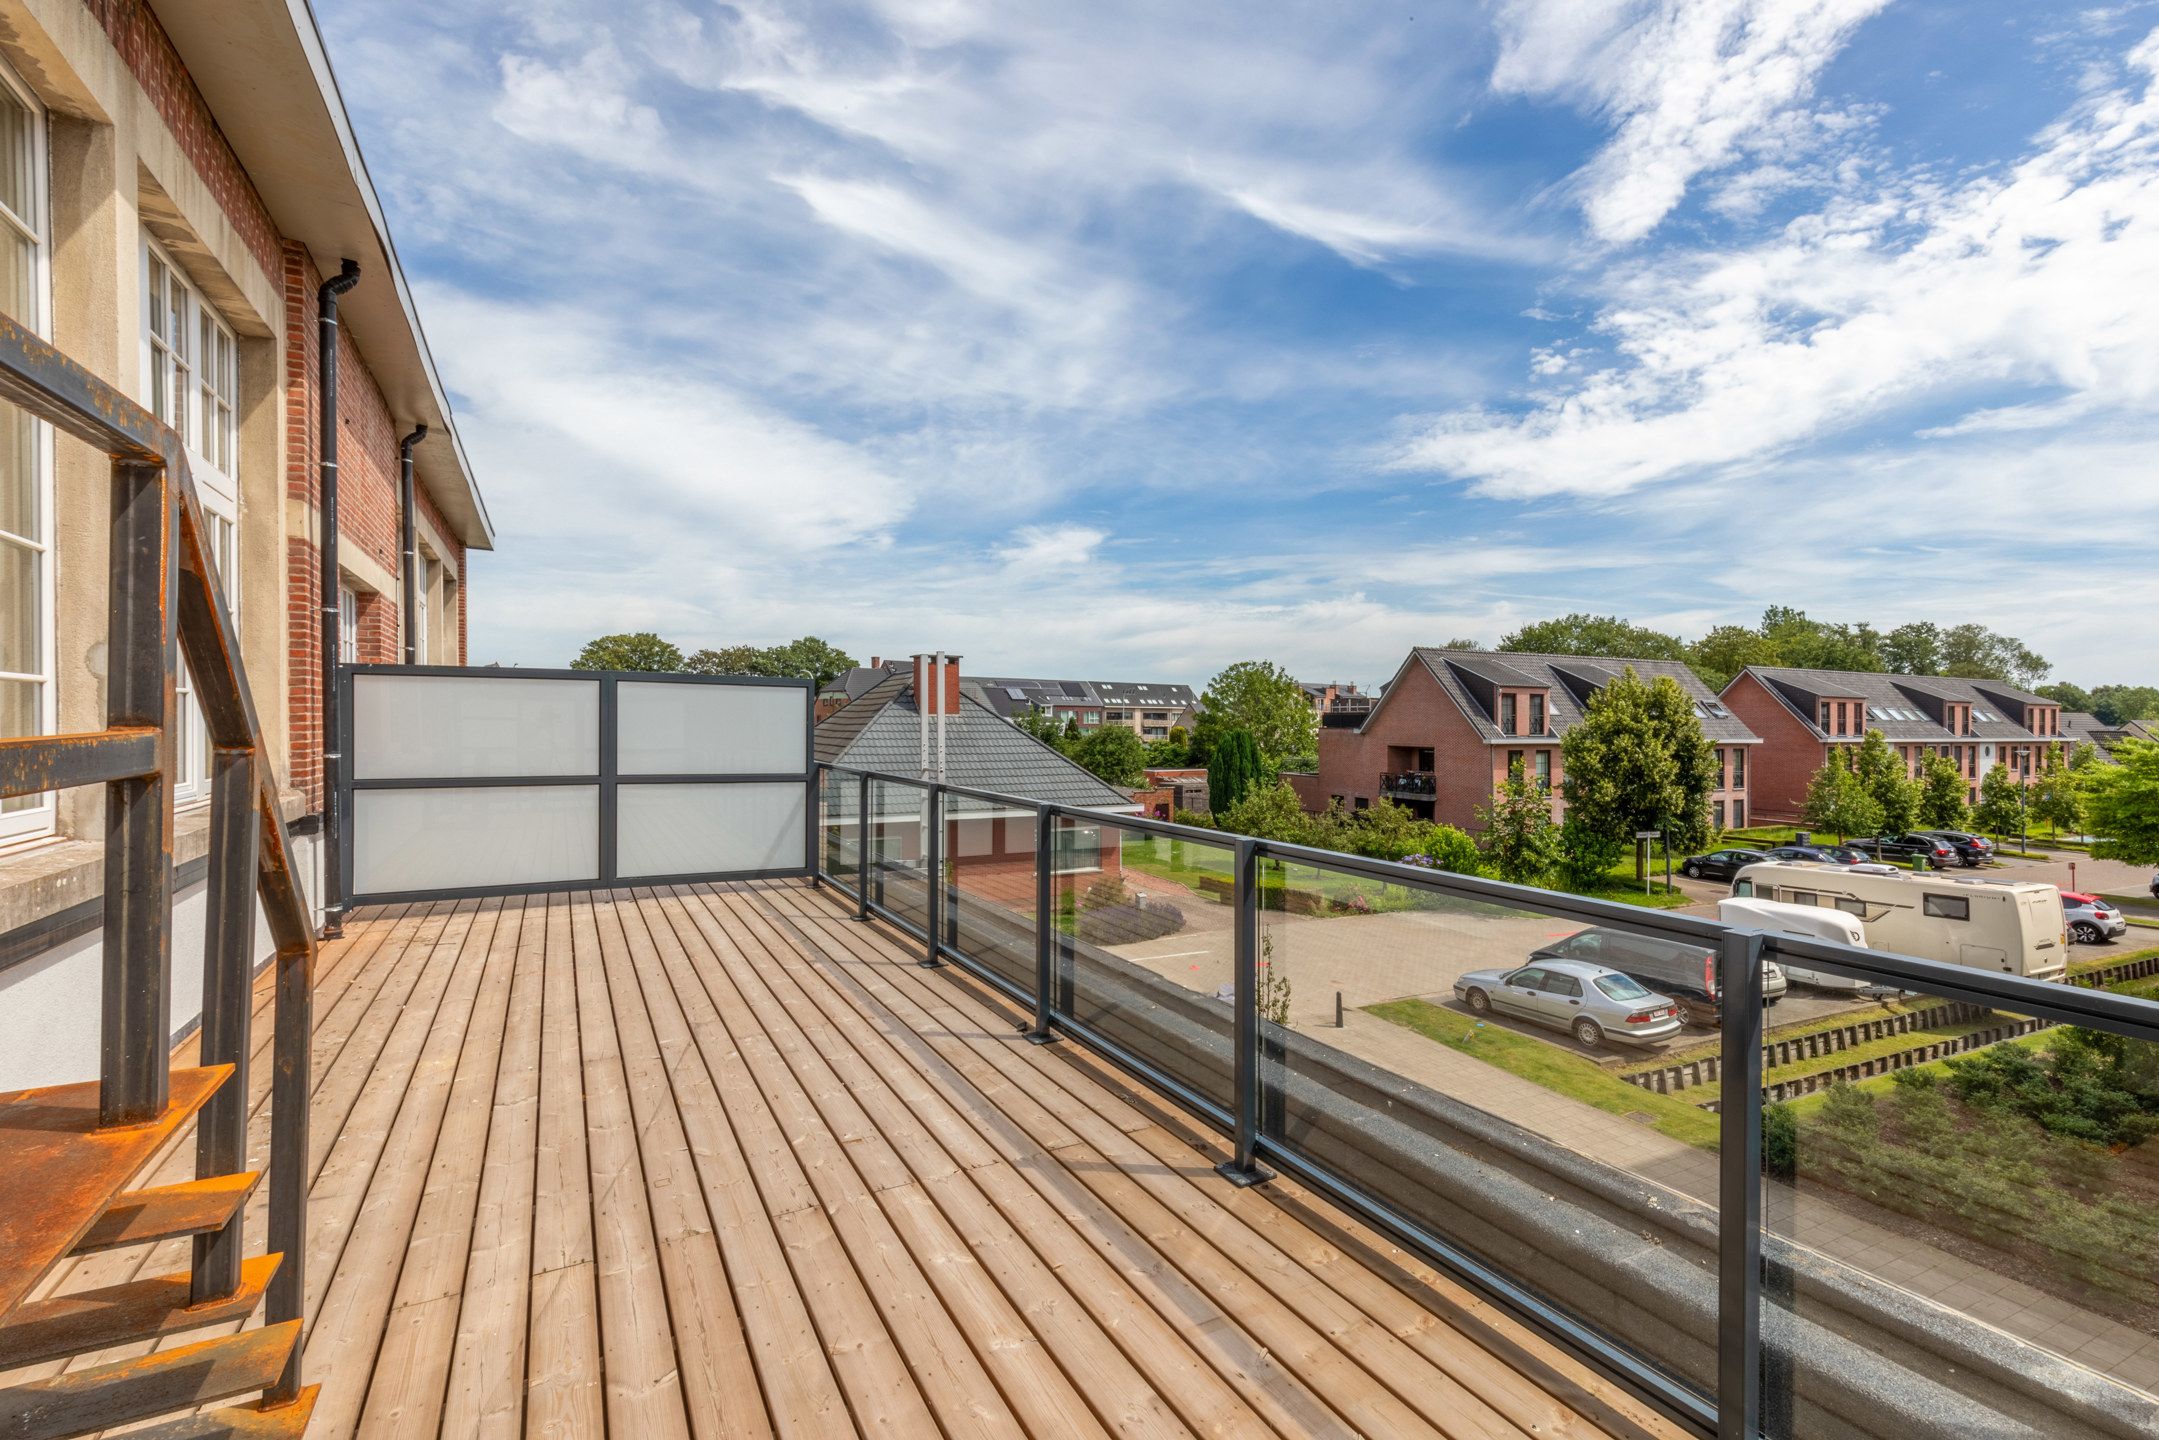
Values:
[(1973, 850), (1936, 851), (1719, 864), (1820, 853)]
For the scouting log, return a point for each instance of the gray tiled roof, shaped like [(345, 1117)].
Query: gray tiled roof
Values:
[(1571, 680), (881, 732), (1906, 707), (998, 693)]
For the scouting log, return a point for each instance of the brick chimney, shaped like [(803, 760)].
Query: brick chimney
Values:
[(924, 665)]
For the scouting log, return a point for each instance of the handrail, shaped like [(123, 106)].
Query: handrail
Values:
[(1735, 1410), (165, 602)]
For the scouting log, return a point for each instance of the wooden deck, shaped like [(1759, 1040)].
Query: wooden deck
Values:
[(721, 1162)]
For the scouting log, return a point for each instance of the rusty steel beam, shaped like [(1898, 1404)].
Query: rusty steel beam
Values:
[(141, 645), (35, 763), (228, 972), (290, 1063), (68, 397)]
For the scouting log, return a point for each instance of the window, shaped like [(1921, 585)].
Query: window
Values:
[(191, 375), (1739, 767), (1556, 984), (1544, 769), (1530, 979), (1536, 714), (1621, 987), (1739, 814), (348, 625), (1514, 758), (1506, 714), (419, 618), (1947, 907), (1716, 814), (26, 572), (1852, 907), (1075, 849)]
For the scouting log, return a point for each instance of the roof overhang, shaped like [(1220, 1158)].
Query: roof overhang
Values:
[(261, 66)]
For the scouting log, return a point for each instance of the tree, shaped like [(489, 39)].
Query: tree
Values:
[(1819, 644), (1725, 651), (2057, 800), (2068, 696), (1914, 649), (2001, 803), (2120, 704), (1234, 770), (1882, 772), (1587, 854), (1266, 702), (1977, 653), (733, 660), (2121, 804), (1462, 644), (1637, 760), (1172, 752), (1609, 635), (641, 651), (1837, 800), (1520, 841), (1042, 725), (2082, 756), (1111, 753), (1941, 793), (1270, 812), (810, 659)]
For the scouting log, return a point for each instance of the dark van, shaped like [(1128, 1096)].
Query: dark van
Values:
[(1687, 973)]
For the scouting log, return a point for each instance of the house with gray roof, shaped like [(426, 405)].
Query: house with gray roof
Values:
[(2083, 728), (1451, 724), (1802, 714), (991, 846)]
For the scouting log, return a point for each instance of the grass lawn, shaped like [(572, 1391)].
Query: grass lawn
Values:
[(1547, 1064), (1887, 1009), (1871, 1050)]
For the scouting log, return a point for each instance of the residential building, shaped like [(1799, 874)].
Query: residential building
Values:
[(887, 728), (1452, 723), (2082, 728), (1332, 697), (1801, 714), (1149, 709), (179, 178)]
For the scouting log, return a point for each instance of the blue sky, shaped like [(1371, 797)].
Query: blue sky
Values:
[(1131, 340)]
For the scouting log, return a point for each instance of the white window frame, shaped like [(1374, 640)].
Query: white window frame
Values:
[(190, 378), (348, 624), (32, 818)]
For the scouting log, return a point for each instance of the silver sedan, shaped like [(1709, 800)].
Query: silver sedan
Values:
[(1588, 1001)]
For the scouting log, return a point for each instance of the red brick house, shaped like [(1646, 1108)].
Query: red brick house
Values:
[(1977, 724), (1452, 723)]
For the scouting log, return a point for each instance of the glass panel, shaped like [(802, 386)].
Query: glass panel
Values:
[(18, 164), (19, 701), (683, 729), (1943, 1196), (435, 726), (990, 886), (19, 277), (1146, 949), (707, 829), (1399, 1050), (20, 512), (837, 800), (454, 838), (898, 847), (19, 607)]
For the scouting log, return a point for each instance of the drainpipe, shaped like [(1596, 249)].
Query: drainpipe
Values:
[(333, 849), (409, 536)]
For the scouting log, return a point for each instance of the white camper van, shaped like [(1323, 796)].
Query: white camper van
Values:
[(2016, 929), (1809, 922)]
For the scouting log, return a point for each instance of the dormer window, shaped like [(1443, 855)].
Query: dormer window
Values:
[(1507, 702), (1536, 714)]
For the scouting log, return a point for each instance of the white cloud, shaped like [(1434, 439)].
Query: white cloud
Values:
[(1686, 83), (2043, 278), (1039, 547)]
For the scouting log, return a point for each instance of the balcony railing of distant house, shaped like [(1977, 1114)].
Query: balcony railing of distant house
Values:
[(69, 1152), (1733, 1328), (1408, 782)]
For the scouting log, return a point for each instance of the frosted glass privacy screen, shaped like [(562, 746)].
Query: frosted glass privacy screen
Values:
[(414, 727), (457, 838), (663, 729), (695, 829)]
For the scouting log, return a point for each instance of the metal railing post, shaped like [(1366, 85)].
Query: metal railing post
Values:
[(1240, 1169), (814, 822), (1045, 923), (227, 975), (862, 847), (1739, 1191), (933, 873)]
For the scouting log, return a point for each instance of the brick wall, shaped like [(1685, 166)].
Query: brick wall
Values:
[(1780, 767), (1416, 714)]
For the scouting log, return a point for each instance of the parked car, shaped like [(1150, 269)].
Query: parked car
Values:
[(1687, 972), (1936, 851), (1973, 850), (1592, 1003), (2090, 919), (1718, 864), (1819, 853)]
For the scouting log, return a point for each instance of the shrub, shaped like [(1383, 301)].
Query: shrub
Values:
[(1130, 924), (1780, 1141)]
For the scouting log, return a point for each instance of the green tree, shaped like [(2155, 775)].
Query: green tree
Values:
[(1941, 793), (1265, 701), (1725, 651), (1914, 649), (1609, 635), (1270, 812), (1637, 760), (1111, 753), (2057, 800), (1587, 854), (730, 660), (1977, 653), (810, 659), (1521, 843), (2082, 756), (2120, 704), (1042, 725), (1234, 770), (1837, 800), (2068, 696), (640, 651), (1882, 771), (2001, 803), (1819, 644), (2121, 804), (1172, 752)]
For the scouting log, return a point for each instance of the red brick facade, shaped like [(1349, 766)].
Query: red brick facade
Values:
[(1415, 717), (1788, 756)]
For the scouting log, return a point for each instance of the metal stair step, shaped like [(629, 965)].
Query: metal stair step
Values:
[(85, 1401), (59, 1172), (92, 1320), (166, 1212), (257, 1421)]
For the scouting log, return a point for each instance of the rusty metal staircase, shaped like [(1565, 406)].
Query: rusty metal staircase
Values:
[(69, 1153)]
